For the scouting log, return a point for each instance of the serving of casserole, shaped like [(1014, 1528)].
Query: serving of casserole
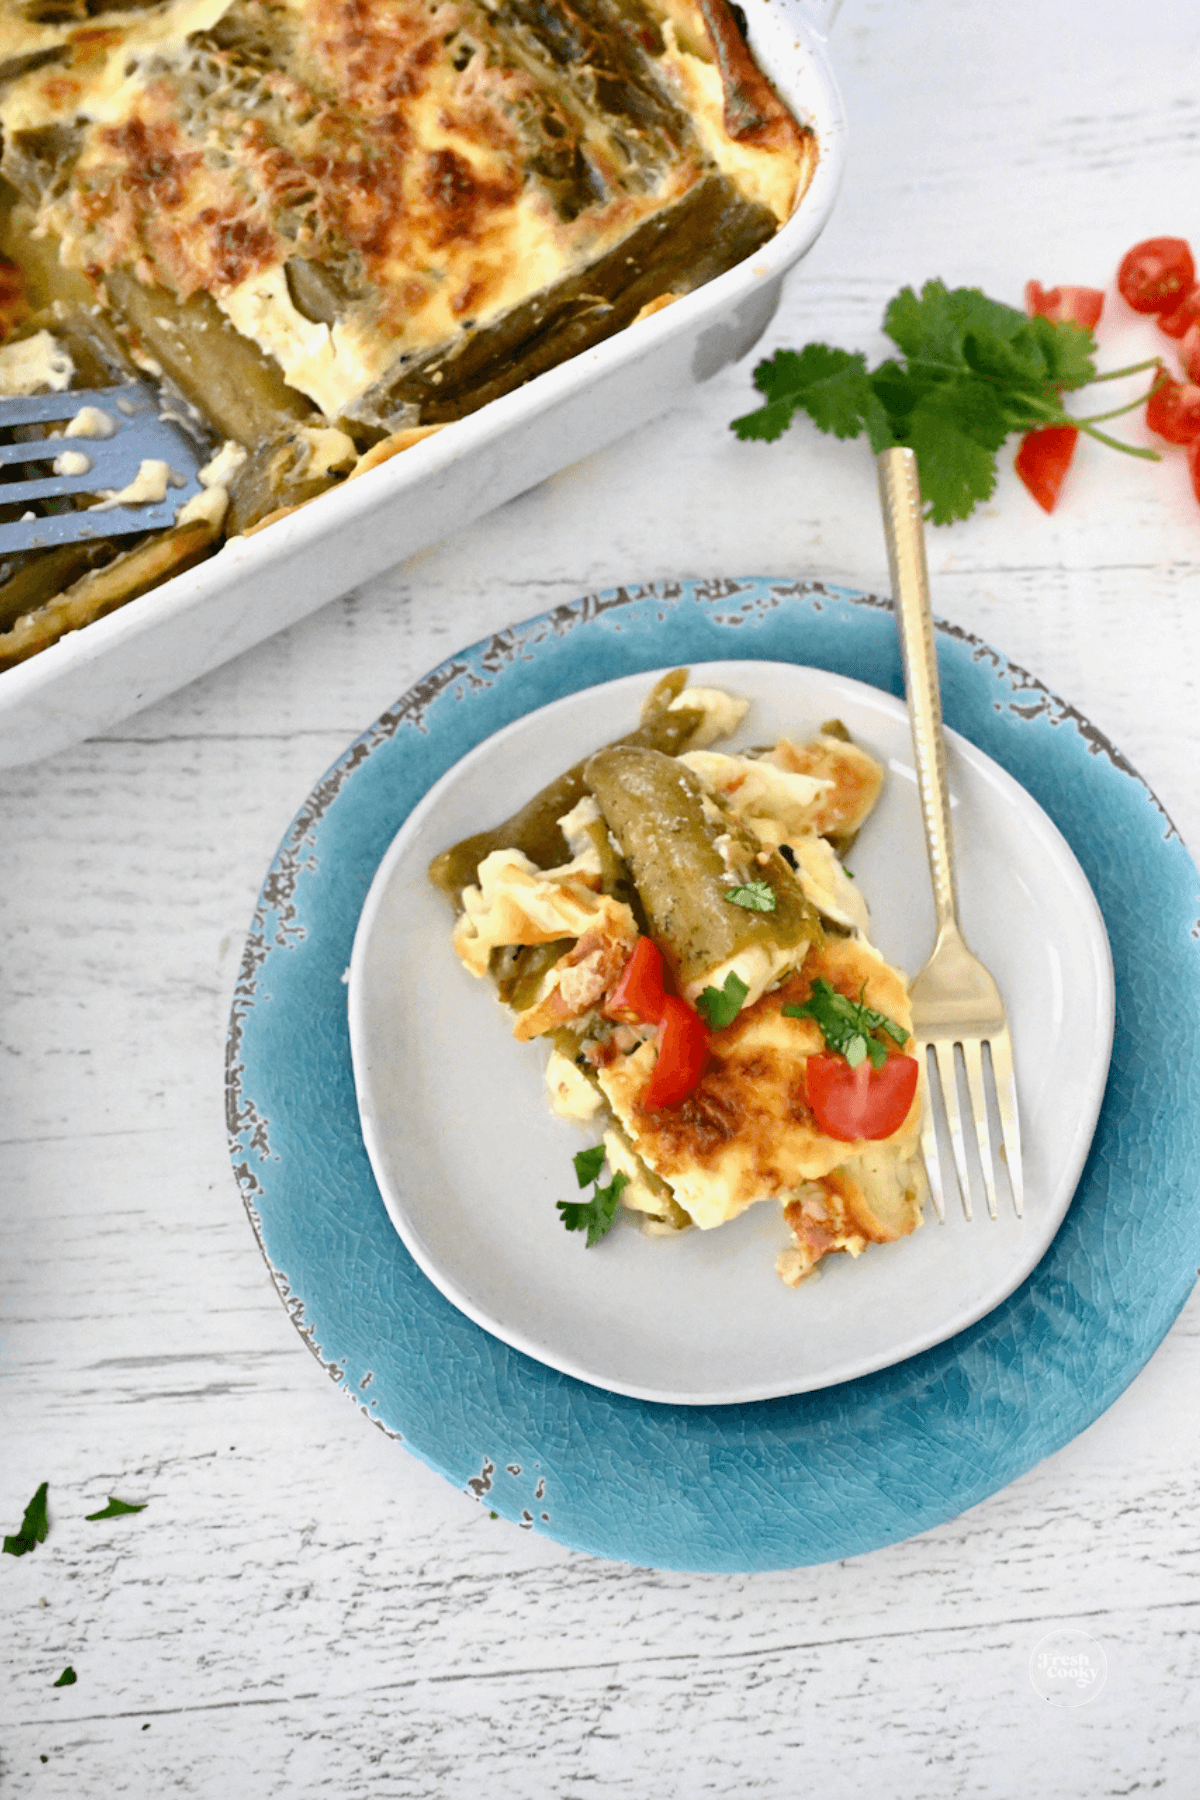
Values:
[(329, 229), (675, 921)]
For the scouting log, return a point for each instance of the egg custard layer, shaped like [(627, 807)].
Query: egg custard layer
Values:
[(659, 840)]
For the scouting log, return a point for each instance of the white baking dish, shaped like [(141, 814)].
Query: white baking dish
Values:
[(255, 586)]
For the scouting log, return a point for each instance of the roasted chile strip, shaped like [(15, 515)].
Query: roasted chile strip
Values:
[(675, 250), (534, 828), (752, 107), (155, 560), (658, 812)]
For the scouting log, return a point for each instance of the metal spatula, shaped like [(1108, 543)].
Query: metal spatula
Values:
[(116, 432)]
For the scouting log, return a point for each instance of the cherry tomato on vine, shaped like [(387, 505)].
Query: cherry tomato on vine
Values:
[(1083, 305), (639, 994), (1173, 411), (1043, 461), (1156, 274), (682, 1053), (865, 1102)]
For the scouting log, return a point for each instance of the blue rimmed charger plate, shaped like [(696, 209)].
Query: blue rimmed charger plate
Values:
[(777, 1483)]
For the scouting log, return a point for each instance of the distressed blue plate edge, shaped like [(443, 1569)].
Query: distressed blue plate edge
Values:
[(780, 1483)]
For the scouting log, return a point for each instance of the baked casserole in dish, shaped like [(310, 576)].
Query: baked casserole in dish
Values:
[(327, 229)]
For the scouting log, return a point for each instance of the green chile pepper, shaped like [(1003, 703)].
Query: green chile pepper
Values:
[(668, 829), (534, 828)]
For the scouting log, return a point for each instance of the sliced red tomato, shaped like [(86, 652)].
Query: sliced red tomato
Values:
[(1173, 411), (682, 1054), (1193, 463), (1182, 317), (1189, 352), (1156, 274), (1081, 304), (866, 1102), (639, 994), (1043, 460)]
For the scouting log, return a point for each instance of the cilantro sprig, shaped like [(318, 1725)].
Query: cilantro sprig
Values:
[(755, 896), (721, 1006), (34, 1526), (848, 1026), (595, 1216), (971, 371)]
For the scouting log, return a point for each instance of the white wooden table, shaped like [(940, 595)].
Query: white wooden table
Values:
[(303, 1608)]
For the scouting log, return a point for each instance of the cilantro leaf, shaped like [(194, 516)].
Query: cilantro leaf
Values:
[(721, 1006), (831, 386), (956, 431), (1067, 348), (848, 1026), (971, 371), (68, 1678), (588, 1164), (34, 1526), (116, 1508), (755, 896), (595, 1216)]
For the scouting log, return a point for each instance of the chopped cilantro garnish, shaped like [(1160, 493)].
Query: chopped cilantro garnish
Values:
[(755, 896), (588, 1164), (847, 1025), (68, 1678), (721, 1006), (595, 1216), (34, 1526), (116, 1508), (972, 371)]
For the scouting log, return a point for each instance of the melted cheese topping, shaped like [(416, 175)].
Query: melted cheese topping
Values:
[(572, 1095), (91, 422), (746, 1134), (149, 485), (752, 788), (723, 713), (34, 363), (854, 779), (771, 180), (390, 146)]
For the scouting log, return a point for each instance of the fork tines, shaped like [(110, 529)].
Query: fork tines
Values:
[(947, 1053)]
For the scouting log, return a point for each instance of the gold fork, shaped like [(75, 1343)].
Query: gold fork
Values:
[(955, 1001)]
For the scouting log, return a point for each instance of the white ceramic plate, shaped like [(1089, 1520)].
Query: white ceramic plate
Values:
[(470, 1160)]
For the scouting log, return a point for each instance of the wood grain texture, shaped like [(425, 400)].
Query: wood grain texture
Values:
[(303, 1608)]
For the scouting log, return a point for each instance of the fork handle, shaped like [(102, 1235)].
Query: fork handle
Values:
[(900, 494)]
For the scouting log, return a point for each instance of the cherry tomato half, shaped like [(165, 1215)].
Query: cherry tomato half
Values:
[(1180, 317), (1189, 352), (1081, 304), (866, 1102), (1193, 463), (1155, 275), (1043, 460), (682, 1053), (1173, 411), (639, 994)]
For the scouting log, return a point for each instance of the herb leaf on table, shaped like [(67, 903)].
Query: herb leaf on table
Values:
[(972, 371), (34, 1526), (117, 1508)]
